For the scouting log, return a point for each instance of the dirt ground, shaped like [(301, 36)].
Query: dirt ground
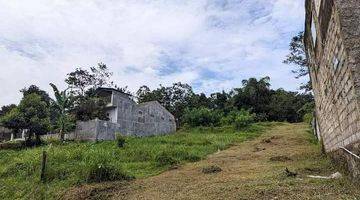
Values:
[(249, 170)]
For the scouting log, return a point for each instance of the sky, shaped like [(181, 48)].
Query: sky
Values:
[(210, 44)]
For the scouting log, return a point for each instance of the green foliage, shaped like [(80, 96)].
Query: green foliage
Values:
[(89, 107), (202, 117), (297, 57), (32, 114), (239, 119), (103, 171), (308, 117), (83, 84), (33, 89), (255, 95), (75, 163), (176, 98), (165, 158), (6, 109), (64, 122), (121, 140), (243, 119)]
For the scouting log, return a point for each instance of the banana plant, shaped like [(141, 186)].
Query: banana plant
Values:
[(63, 103)]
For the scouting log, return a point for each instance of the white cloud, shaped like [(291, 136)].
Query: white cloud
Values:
[(41, 41)]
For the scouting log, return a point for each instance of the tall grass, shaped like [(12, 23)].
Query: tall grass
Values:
[(76, 163)]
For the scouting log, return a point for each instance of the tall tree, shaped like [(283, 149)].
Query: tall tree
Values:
[(220, 101), (144, 94), (83, 85), (254, 96), (297, 57), (81, 80)]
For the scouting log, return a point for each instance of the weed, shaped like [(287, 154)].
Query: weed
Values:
[(105, 172), (121, 140), (165, 158)]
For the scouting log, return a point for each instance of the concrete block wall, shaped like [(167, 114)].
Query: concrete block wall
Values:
[(333, 80), (128, 118), (334, 71)]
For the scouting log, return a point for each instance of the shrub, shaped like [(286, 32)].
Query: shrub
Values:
[(165, 158), (105, 172), (308, 117), (240, 119), (120, 140), (202, 117), (243, 120)]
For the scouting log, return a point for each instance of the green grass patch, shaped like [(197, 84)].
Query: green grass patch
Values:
[(76, 163)]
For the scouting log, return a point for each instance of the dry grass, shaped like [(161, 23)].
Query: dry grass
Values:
[(247, 173)]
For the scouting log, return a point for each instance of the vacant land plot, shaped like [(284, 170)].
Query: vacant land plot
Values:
[(78, 163), (250, 170)]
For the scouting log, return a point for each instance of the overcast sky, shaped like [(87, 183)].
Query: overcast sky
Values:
[(210, 44)]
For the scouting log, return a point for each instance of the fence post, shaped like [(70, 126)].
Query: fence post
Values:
[(43, 166)]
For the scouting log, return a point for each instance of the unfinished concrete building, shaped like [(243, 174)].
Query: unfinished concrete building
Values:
[(332, 41), (126, 117)]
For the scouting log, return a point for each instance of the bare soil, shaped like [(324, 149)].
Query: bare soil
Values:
[(251, 170)]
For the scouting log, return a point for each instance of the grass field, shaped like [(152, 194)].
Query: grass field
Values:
[(76, 163), (253, 169)]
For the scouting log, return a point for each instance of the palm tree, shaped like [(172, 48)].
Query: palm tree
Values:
[(63, 103)]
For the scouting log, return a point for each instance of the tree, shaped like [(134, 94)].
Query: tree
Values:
[(6, 109), (83, 85), (297, 57), (13, 120), (89, 107), (200, 100), (284, 106), (32, 114), (64, 121), (33, 89), (81, 80), (254, 96), (144, 94), (102, 76), (220, 101)]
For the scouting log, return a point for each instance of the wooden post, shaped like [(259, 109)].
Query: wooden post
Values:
[(43, 166)]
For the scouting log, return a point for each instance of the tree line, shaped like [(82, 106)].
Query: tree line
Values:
[(254, 96)]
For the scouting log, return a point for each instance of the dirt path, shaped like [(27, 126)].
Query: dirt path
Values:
[(250, 170)]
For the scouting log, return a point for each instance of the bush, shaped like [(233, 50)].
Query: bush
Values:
[(202, 117), (120, 140), (105, 172), (174, 156), (243, 120), (240, 119), (165, 158), (308, 117)]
